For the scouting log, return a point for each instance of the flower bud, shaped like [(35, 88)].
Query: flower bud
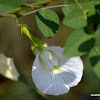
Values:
[(37, 45)]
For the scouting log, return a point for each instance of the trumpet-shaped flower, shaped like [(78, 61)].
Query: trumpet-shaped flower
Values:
[(7, 68), (53, 73)]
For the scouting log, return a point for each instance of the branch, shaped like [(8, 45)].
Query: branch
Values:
[(31, 5)]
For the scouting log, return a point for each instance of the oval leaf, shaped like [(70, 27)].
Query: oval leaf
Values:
[(79, 43), (75, 19), (47, 21), (94, 57)]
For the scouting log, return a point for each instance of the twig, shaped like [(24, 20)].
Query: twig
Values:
[(25, 8)]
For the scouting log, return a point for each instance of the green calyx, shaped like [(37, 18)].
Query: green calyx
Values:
[(37, 45)]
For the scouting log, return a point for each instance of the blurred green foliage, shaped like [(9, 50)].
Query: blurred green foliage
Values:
[(10, 4)]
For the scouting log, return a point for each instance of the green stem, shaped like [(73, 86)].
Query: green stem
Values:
[(96, 50), (78, 4), (43, 8)]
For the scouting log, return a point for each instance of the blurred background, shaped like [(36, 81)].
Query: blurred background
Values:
[(12, 44)]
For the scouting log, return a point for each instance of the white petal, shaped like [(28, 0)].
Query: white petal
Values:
[(53, 59), (57, 50), (42, 75), (59, 86), (72, 70), (48, 58)]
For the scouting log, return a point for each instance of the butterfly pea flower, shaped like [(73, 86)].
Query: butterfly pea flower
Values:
[(7, 68), (54, 74)]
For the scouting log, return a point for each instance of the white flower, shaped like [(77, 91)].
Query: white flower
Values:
[(53, 73), (7, 68)]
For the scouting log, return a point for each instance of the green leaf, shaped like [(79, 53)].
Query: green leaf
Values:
[(94, 57), (6, 5), (79, 43), (47, 21), (66, 9), (75, 19)]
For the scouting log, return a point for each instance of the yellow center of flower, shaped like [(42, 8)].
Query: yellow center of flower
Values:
[(56, 70)]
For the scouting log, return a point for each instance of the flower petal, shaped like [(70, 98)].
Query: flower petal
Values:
[(72, 70), (48, 58), (42, 75), (57, 50), (59, 85), (7, 68)]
